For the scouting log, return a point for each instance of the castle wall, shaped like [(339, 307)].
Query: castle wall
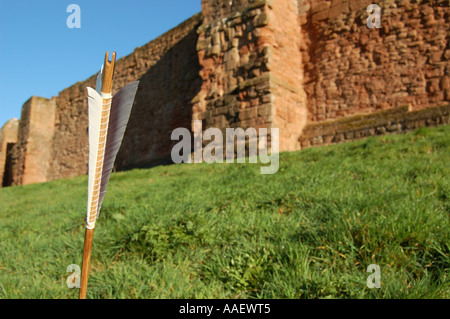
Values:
[(235, 91), (250, 57), (167, 69), (286, 67), (8, 138), (32, 153), (395, 120), (351, 69)]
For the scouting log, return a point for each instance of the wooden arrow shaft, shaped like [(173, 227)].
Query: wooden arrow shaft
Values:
[(108, 72), (88, 237)]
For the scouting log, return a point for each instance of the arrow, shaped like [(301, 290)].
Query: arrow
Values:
[(108, 119)]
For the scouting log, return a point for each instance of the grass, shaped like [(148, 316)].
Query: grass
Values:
[(225, 231)]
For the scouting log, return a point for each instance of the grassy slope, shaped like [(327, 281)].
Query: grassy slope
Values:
[(225, 231)]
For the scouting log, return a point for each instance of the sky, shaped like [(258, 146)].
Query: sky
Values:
[(41, 56)]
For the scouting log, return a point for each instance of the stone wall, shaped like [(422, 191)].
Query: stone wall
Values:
[(167, 69), (286, 67), (235, 91), (8, 138), (32, 154), (395, 120), (351, 69), (249, 54)]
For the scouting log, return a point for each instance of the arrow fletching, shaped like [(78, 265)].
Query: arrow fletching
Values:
[(122, 104), (120, 111)]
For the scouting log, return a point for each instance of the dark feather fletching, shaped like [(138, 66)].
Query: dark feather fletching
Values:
[(121, 106)]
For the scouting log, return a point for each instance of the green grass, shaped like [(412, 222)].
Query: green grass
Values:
[(225, 231)]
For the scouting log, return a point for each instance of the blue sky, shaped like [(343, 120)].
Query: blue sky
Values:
[(40, 55)]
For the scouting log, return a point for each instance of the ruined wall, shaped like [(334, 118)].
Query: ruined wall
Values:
[(32, 153), (249, 52), (351, 69), (286, 68), (285, 63), (395, 120), (8, 138), (235, 90), (163, 101), (167, 69)]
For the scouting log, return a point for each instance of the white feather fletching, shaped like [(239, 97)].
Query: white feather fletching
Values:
[(95, 112)]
